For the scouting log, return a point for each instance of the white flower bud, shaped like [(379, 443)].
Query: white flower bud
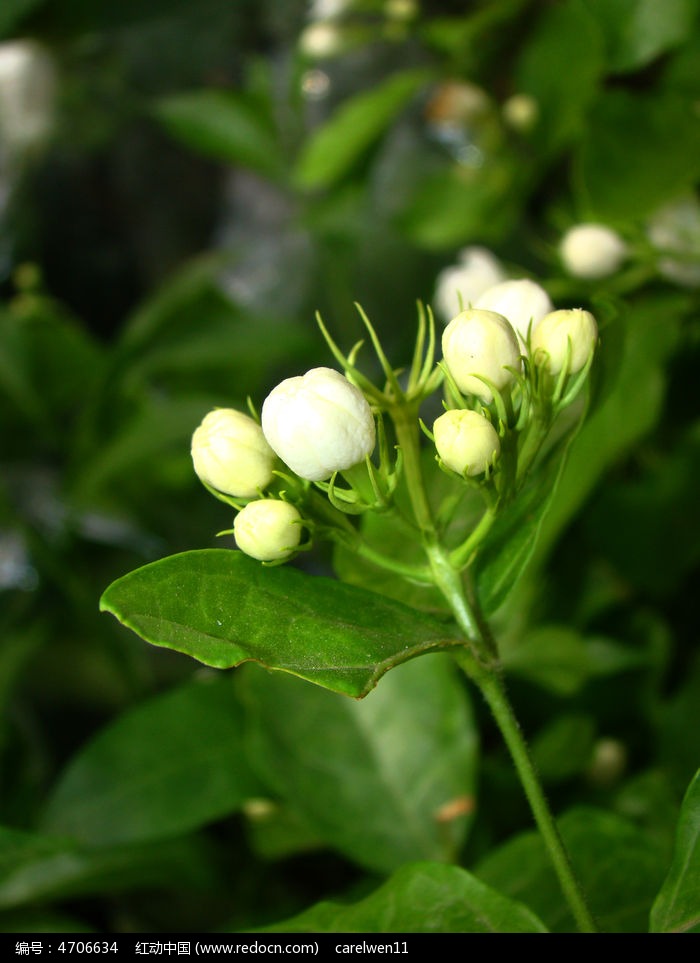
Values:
[(675, 228), (480, 344), (554, 333), (521, 112), (592, 251), (466, 441), (520, 302), (321, 40), (477, 271), (27, 93), (318, 423), (230, 453), (267, 529)]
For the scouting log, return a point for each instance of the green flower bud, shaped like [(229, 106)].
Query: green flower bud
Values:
[(480, 344), (561, 332), (230, 453), (592, 251), (318, 423), (267, 529), (466, 441)]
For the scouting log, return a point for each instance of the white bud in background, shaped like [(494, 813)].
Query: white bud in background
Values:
[(477, 270), (27, 94), (318, 423), (675, 229), (267, 529), (321, 40), (328, 9), (466, 441), (480, 344), (592, 251), (521, 302), (521, 112), (230, 453), (571, 333)]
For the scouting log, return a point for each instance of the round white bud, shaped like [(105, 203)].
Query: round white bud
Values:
[(592, 251), (477, 270), (27, 93), (466, 441), (675, 228), (573, 332), (321, 40), (230, 453), (267, 529), (480, 345), (521, 302), (318, 423)]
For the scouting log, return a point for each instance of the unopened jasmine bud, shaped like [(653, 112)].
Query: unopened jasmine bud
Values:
[(466, 441), (318, 424), (561, 335), (479, 345), (321, 40), (267, 529), (459, 285), (522, 302), (592, 251), (230, 453)]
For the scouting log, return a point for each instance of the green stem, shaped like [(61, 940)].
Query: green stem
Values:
[(494, 692)]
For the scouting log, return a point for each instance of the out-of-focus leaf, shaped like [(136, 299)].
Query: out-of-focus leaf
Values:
[(637, 31), (333, 149), (12, 12), (224, 608), (677, 907), (225, 125), (35, 868), (163, 769), (387, 780), (559, 659), (561, 67), (620, 869), (422, 898), (563, 747), (639, 151)]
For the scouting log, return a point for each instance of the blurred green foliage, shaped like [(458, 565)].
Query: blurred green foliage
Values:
[(207, 185)]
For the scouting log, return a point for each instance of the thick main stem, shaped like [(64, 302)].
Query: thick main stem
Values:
[(494, 692), (478, 660)]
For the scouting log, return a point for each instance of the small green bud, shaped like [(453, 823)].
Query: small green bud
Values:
[(267, 529), (480, 345), (571, 333), (466, 441), (230, 453)]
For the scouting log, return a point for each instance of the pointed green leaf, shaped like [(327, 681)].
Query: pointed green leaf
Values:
[(332, 150), (387, 780), (224, 608), (618, 865), (421, 898), (224, 125), (122, 787), (677, 907)]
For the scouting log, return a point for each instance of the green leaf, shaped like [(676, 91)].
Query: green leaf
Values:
[(36, 868), (677, 907), (387, 780), (637, 31), (619, 867), (224, 608), (332, 150), (13, 11), (167, 767), (224, 125), (639, 151), (561, 67), (559, 659), (563, 748), (422, 898)]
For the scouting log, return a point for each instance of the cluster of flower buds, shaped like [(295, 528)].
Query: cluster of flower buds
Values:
[(508, 370)]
